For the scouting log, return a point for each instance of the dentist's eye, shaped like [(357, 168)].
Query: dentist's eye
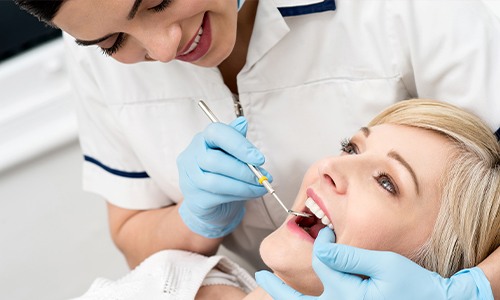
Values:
[(160, 7), (120, 39), (386, 182), (347, 146)]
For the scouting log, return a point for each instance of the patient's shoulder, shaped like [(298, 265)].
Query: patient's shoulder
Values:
[(220, 292)]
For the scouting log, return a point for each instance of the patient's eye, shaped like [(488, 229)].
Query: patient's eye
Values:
[(386, 182), (347, 146)]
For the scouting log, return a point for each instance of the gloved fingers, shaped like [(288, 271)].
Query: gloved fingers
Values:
[(241, 125), (217, 189), (326, 236), (277, 288), (219, 162), (348, 259), (337, 285), (231, 141)]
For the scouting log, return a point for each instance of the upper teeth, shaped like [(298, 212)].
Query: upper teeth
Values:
[(195, 42), (318, 212)]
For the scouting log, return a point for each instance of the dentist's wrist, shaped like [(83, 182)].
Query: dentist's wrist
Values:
[(210, 227), (477, 281)]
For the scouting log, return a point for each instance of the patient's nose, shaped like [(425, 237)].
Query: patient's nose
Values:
[(333, 176)]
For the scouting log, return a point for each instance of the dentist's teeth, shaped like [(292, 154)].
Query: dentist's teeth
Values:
[(195, 42), (318, 212)]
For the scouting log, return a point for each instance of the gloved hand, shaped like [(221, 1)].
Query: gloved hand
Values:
[(391, 276), (215, 180)]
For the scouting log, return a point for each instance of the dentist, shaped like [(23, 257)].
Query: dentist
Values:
[(304, 73)]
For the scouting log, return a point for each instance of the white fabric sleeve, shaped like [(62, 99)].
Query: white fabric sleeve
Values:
[(452, 51), (104, 145), (170, 274)]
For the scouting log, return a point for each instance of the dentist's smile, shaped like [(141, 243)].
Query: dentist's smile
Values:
[(199, 44)]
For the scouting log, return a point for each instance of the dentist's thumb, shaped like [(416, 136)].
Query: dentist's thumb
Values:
[(277, 289), (343, 258)]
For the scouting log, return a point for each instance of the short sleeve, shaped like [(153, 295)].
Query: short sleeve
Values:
[(110, 166)]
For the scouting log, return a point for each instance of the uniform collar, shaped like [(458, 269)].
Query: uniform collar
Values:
[(289, 8), (269, 29), (270, 26)]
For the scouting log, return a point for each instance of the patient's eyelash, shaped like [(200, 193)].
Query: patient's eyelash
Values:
[(387, 183), (347, 146), (120, 39), (160, 7)]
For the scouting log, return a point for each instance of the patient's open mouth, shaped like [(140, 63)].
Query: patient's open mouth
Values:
[(315, 223)]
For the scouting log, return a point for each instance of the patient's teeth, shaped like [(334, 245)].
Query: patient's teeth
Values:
[(318, 212)]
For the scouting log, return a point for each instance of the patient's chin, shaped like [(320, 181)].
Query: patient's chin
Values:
[(292, 264)]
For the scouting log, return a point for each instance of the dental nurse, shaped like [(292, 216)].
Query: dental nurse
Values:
[(304, 73)]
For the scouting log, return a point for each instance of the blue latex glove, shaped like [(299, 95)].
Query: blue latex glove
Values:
[(215, 180), (392, 276)]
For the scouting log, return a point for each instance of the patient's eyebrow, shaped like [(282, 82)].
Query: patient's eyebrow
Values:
[(394, 155), (366, 131), (130, 16)]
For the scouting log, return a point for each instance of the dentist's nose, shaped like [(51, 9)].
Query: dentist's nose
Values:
[(162, 44), (332, 173)]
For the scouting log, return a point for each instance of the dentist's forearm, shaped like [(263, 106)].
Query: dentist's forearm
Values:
[(140, 233), (491, 268)]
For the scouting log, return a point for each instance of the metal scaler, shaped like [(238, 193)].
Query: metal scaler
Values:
[(262, 179)]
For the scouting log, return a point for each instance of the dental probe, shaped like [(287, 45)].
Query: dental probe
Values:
[(262, 179)]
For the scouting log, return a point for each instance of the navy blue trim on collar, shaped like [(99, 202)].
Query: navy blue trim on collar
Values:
[(116, 172), (497, 134), (307, 9)]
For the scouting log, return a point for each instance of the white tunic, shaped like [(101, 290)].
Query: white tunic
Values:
[(309, 81)]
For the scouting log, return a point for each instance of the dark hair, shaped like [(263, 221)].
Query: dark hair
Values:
[(44, 10)]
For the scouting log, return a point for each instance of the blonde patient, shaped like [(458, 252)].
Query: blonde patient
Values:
[(422, 180)]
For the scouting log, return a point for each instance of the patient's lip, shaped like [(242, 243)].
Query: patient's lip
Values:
[(295, 229)]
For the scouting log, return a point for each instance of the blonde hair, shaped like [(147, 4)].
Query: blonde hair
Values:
[(467, 228)]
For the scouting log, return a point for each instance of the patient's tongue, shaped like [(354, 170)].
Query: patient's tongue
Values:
[(314, 230)]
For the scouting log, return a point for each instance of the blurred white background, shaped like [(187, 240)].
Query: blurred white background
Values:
[(54, 237)]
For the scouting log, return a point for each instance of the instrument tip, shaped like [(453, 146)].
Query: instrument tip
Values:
[(299, 214)]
